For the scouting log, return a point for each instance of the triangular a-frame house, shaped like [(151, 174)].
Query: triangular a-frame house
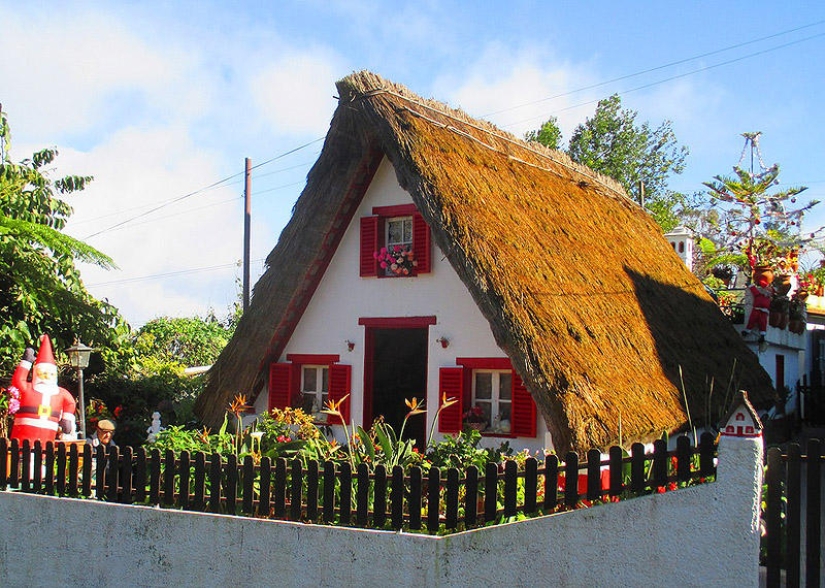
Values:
[(540, 294)]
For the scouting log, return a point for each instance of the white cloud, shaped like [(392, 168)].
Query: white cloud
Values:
[(81, 67), (294, 94), (136, 171), (519, 89)]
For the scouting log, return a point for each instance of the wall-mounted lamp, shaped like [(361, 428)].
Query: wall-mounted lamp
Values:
[(350, 345), (444, 342)]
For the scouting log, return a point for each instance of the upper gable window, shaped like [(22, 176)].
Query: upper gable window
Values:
[(395, 242), (400, 231)]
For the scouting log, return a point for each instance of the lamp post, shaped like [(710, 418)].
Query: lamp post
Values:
[(79, 358)]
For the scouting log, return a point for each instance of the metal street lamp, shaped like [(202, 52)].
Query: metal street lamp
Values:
[(79, 358)]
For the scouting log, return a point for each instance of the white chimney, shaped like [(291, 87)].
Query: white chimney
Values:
[(682, 242)]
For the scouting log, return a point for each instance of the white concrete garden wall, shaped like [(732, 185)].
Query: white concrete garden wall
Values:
[(700, 536)]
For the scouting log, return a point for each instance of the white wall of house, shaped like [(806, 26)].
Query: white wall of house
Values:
[(342, 297), (704, 535)]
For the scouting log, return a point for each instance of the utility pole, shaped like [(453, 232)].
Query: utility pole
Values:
[(247, 222)]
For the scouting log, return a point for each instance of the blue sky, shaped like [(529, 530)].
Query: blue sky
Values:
[(161, 101)]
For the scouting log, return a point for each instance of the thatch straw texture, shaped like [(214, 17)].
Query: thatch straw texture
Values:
[(599, 316)]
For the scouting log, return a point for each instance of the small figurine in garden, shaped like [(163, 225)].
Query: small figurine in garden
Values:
[(45, 408), (154, 428), (759, 296)]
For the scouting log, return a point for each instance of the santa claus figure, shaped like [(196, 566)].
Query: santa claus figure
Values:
[(759, 296), (46, 410)]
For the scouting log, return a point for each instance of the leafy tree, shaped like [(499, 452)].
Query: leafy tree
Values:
[(753, 224), (612, 143), (147, 374), (548, 135), (41, 290), (186, 342)]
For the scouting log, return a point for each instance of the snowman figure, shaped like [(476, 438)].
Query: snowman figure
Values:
[(154, 428)]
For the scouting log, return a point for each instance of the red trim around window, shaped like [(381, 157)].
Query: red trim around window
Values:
[(340, 387), (281, 383), (522, 410), (421, 244), (457, 382), (485, 363), (451, 384), (404, 322), (285, 380), (395, 210), (312, 358), (372, 239)]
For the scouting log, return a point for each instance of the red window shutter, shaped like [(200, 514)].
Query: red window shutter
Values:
[(451, 383), (369, 245), (524, 410), (421, 244), (280, 385), (340, 377)]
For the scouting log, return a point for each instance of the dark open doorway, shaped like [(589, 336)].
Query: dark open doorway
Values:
[(396, 369)]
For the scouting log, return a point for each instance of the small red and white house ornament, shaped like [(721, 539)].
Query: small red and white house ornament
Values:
[(742, 420)]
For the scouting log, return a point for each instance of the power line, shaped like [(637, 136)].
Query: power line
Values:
[(201, 190), (657, 68), (170, 274), (662, 81), (257, 176), (628, 76)]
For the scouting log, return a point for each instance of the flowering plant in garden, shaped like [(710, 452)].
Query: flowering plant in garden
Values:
[(398, 259), (806, 282), (473, 415)]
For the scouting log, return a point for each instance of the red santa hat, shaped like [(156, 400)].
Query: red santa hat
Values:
[(45, 355)]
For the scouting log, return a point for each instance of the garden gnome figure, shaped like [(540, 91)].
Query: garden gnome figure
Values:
[(45, 408), (759, 296)]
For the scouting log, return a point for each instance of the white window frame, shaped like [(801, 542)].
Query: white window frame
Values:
[(321, 394), (407, 221), (495, 401)]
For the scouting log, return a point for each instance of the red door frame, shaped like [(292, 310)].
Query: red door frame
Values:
[(371, 324)]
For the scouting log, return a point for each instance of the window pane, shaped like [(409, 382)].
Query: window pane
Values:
[(505, 385), (310, 380), (484, 385), (325, 380), (487, 409), (503, 412), (399, 231), (308, 403), (395, 232)]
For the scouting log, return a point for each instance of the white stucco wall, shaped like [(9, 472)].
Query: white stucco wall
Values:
[(700, 536), (342, 297)]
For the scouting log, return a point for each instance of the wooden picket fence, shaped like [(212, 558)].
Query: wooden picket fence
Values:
[(333, 493), (794, 517)]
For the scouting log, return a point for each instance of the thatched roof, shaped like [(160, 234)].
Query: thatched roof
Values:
[(596, 311)]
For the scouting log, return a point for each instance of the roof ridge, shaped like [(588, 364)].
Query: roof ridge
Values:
[(379, 86)]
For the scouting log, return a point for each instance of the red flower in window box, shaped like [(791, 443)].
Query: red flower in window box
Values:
[(398, 259), (474, 415)]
